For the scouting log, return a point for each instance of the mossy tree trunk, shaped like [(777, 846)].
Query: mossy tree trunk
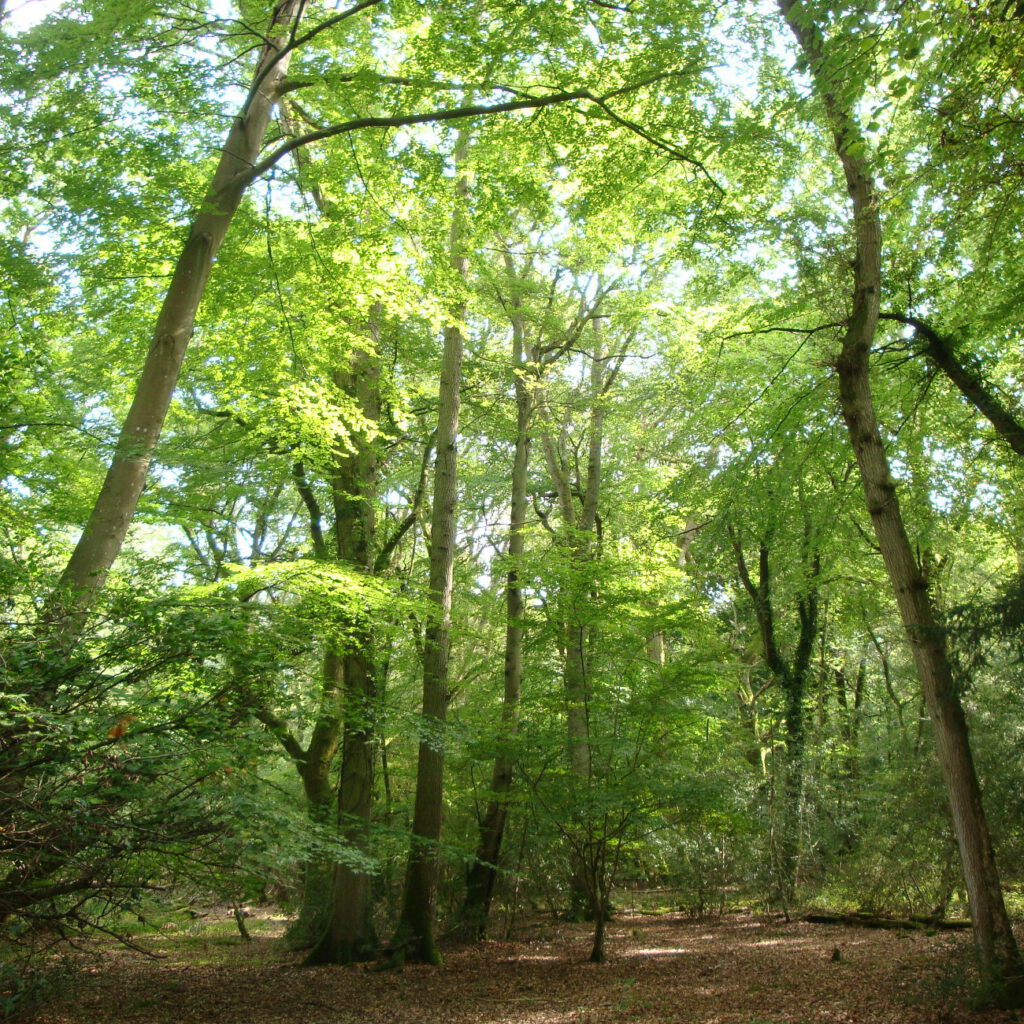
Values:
[(791, 676)]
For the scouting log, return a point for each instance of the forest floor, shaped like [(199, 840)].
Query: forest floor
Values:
[(738, 969)]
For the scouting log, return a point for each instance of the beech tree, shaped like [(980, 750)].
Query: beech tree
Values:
[(240, 165), (997, 950)]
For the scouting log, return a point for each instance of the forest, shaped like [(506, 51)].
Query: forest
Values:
[(516, 464)]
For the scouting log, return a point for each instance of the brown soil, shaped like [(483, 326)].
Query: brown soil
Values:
[(660, 970)]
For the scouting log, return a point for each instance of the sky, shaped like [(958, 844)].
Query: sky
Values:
[(23, 14)]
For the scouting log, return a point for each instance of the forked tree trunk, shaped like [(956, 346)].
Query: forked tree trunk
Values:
[(1000, 962), (482, 875), (107, 526), (414, 936)]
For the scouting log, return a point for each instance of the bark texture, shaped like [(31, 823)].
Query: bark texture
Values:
[(999, 960)]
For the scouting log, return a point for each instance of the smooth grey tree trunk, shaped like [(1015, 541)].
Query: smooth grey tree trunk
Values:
[(111, 515)]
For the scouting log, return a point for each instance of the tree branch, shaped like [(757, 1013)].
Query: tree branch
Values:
[(401, 121), (967, 381), (313, 507), (281, 733), (295, 41)]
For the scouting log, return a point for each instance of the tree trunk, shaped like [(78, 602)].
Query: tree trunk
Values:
[(315, 770), (999, 958), (105, 531), (482, 875), (414, 936), (350, 935), (1000, 962), (580, 540), (791, 677)]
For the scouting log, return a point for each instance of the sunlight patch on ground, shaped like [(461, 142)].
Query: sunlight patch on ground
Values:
[(660, 951), (793, 943), (540, 1017)]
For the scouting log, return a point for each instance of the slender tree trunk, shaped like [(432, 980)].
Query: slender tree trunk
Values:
[(414, 937), (482, 875), (107, 526), (791, 677), (579, 540), (999, 959), (998, 955), (849, 717)]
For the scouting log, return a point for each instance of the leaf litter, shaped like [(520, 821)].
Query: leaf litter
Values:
[(739, 969)]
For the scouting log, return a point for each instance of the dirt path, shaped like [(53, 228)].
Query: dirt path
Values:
[(666, 970)]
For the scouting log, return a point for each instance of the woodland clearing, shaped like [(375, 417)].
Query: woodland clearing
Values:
[(739, 969)]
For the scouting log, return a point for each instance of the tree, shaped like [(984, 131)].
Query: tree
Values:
[(663, 652), (792, 676), (414, 936), (111, 515), (240, 165), (481, 877), (1000, 961)]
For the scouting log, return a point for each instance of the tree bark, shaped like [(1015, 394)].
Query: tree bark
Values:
[(414, 936), (108, 522), (1002, 969)]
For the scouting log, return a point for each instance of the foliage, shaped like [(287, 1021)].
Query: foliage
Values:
[(671, 263)]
